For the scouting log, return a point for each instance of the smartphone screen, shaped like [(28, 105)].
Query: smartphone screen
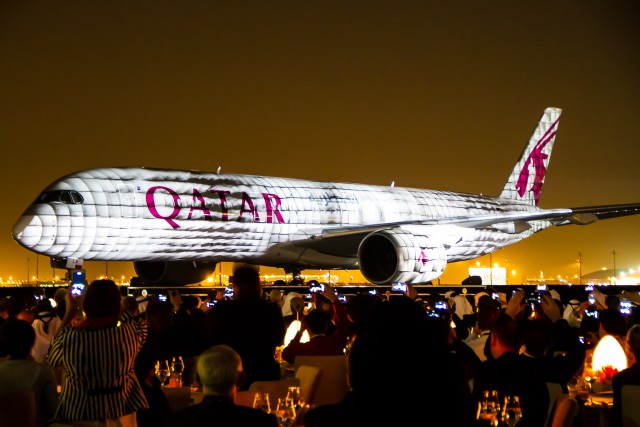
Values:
[(78, 278), (162, 297), (399, 287), (316, 287), (441, 305)]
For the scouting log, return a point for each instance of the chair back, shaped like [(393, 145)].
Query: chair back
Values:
[(332, 383), (309, 377), (275, 388), (565, 411), (245, 398), (555, 390), (178, 397), (18, 409), (630, 398)]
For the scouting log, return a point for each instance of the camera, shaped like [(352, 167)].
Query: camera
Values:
[(162, 297), (441, 305), (592, 298), (534, 298), (625, 308), (399, 287), (315, 287), (591, 313), (78, 279), (228, 292), (211, 303), (342, 298)]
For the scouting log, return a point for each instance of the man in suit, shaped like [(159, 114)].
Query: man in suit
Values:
[(629, 376), (220, 370), (250, 325)]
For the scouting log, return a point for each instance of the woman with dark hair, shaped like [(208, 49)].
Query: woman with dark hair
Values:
[(98, 355)]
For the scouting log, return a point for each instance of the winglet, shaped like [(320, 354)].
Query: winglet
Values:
[(527, 177)]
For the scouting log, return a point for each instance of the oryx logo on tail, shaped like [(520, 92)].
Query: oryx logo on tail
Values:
[(534, 161)]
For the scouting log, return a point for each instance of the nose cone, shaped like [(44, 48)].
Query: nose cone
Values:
[(31, 233)]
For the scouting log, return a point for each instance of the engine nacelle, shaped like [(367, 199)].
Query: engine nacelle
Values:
[(173, 273), (400, 256)]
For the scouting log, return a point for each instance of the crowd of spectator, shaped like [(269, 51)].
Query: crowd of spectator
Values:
[(92, 359)]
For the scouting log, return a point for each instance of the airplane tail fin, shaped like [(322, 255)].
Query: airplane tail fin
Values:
[(527, 177)]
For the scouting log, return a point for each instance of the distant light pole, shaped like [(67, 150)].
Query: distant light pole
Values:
[(490, 269), (614, 264), (580, 268), (28, 264)]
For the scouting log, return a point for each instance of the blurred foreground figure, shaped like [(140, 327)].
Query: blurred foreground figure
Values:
[(400, 371), (220, 371), (98, 355), (23, 380)]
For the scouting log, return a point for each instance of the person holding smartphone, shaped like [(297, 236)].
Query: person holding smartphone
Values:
[(317, 324), (98, 355)]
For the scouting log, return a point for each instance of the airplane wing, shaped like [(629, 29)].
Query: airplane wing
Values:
[(344, 241)]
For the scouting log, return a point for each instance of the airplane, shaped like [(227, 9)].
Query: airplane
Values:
[(176, 225)]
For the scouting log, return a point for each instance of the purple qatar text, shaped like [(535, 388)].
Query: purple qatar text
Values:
[(248, 206)]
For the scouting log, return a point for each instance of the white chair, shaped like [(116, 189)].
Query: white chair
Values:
[(178, 397), (630, 397), (555, 390), (333, 384), (309, 377), (564, 412)]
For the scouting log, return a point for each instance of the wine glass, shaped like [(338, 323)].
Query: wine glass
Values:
[(162, 371), (261, 401), (512, 413), (295, 397), (285, 412), (487, 412), (177, 367)]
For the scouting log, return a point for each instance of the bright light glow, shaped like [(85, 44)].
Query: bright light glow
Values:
[(609, 352), (292, 330)]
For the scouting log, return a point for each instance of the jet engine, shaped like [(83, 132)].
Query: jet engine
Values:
[(398, 255), (173, 273)]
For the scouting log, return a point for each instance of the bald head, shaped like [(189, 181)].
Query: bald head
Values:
[(219, 369)]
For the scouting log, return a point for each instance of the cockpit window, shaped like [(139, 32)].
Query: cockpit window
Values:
[(62, 196)]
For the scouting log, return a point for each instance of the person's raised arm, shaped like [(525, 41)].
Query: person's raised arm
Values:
[(73, 304), (515, 306)]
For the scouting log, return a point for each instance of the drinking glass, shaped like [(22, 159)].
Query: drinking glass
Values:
[(162, 371), (512, 413), (177, 367), (285, 412), (261, 401), (295, 397)]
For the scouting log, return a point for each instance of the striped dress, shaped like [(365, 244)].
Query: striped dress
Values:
[(100, 382)]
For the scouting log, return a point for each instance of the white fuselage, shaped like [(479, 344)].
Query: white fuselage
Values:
[(168, 215)]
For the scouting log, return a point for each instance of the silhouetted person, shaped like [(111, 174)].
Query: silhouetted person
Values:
[(250, 325), (392, 375), (629, 376), (20, 373)]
